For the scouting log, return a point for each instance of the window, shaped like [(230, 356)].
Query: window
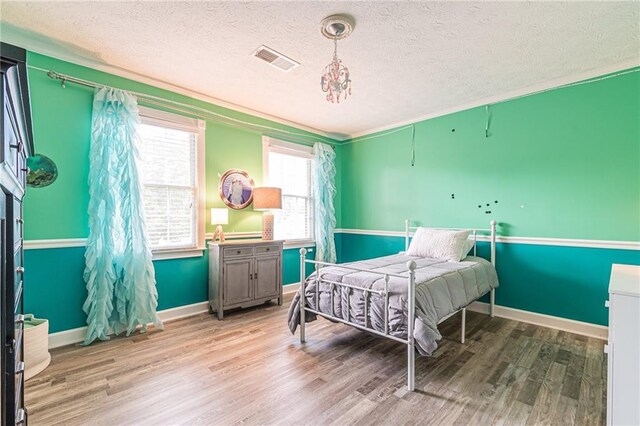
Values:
[(172, 175), (289, 166)]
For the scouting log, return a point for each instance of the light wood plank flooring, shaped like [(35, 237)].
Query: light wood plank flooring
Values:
[(249, 369)]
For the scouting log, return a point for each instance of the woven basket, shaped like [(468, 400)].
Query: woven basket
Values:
[(36, 345)]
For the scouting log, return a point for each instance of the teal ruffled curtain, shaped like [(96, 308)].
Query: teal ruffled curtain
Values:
[(121, 284), (324, 190)]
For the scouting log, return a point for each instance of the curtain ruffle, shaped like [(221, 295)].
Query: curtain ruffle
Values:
[(324, 191), (119, 273)]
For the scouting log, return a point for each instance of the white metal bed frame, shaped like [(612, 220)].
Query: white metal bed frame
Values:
[(411, 265)]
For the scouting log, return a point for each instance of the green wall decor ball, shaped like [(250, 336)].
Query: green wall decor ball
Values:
[(42, 171)]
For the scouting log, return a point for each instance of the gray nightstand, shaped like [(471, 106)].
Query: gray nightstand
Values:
[(244, 273)]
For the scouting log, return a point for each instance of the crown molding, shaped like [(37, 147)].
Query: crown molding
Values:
[(56, 51), (49, 47), (530, 90)]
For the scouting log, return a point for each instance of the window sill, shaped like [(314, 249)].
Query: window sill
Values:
[(178, 253), (293, 244)]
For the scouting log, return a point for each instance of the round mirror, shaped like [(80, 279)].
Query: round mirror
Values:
[(42, 171), (236, 189)]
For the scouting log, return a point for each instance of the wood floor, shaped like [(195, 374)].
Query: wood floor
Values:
[(249, 369)]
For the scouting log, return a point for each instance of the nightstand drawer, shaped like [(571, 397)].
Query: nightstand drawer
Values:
[(271, 249), (238, 252)]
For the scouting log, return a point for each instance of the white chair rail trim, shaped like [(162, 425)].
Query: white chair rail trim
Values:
[(565, 242), (54, 243), (81, 242)]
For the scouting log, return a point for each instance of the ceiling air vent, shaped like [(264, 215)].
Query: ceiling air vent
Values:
[(276, 59)]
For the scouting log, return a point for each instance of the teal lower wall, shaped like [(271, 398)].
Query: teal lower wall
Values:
[(291, 265), (567, 282), (54, 288)]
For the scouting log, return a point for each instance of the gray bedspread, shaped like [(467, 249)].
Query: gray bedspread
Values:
[(441, 288)]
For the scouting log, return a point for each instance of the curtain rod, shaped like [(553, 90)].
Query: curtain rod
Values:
[(193, 110)]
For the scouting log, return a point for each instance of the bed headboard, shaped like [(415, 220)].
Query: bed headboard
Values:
[(473, 233)]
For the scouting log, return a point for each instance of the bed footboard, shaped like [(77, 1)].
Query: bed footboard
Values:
[(368, 293)]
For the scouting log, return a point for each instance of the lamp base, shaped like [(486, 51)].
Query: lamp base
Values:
[(218, 234), (267, 226)]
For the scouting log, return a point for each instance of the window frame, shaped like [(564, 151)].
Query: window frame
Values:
[(171, 120), (288, 148)]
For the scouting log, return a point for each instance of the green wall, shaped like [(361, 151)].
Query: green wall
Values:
[(54, 287), (562, 164), (62, 129)]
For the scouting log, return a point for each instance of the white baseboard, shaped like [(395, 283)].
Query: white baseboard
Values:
[(564, 324), (558, 323), (183, 311), (67, 337), (76, 335), (291, 288)]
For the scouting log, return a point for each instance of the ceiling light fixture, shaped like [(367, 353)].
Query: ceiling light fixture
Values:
[(335, 80)]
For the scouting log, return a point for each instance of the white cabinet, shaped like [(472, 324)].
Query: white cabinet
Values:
[(623, 348)]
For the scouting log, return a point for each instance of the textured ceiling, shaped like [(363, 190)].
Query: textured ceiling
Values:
[(407, 59)]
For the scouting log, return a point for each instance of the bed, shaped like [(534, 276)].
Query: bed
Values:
[(402, 297)]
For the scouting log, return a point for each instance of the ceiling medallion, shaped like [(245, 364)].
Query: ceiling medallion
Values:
[(335, 81)]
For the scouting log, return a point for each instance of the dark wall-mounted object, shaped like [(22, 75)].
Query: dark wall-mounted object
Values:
[(16, 144), (42, 171)]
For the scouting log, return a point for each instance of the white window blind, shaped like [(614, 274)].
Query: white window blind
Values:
[(169, 176), (291, 170)]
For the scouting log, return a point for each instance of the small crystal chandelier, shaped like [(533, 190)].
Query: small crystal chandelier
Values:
[(335, 81)]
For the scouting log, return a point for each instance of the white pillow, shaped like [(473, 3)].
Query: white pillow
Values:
[(466, 248), (438, 244)]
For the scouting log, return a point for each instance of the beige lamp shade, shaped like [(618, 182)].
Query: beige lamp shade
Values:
[(267, 198), (219, 216)]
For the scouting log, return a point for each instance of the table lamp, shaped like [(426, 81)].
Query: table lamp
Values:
[(219, 217), (266, 199)]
